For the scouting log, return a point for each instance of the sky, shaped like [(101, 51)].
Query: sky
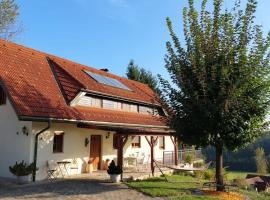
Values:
[(108, 33)]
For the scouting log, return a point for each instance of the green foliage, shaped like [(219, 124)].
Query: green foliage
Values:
[(261, 161), (209, 175), (199, 174), (22, 169), (141, 75), (9, 12), (113, 169), (181, 187), (221, 78), (198, 164), (243, 159), (219, 89), (189, 158), (241, 183)]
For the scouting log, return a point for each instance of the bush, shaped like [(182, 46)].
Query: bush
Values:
[(113, 169), (209, 175), (22, 169), (199, 174), (198, 164), (261, 162), (189, 158), (241, 183)]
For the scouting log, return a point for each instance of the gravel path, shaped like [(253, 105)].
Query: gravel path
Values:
[(70, 189)]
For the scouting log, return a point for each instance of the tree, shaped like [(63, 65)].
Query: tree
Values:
[(219, 89), (9, 12), (261, 161), (141, 75)]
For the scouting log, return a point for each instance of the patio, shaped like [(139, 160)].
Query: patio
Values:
[(71, 188), (128, 174)]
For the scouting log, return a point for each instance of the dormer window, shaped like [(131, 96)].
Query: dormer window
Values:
[(3, 97), (88, 100)]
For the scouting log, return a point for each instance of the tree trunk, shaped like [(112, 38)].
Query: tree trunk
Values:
[(219, 167)]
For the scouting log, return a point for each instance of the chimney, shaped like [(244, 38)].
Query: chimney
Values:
[(104, 69)]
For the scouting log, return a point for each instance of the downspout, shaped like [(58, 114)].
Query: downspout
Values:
[(36, 147)]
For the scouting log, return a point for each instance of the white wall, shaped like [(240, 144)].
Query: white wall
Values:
[(14, 145), (74, 147)]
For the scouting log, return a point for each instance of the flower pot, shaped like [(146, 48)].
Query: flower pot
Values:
[(23, 179), (115, 178)]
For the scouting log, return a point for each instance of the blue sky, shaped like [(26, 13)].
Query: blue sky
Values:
[(107, 33)]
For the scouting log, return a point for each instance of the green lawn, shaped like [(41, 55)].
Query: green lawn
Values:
[(181, 187)]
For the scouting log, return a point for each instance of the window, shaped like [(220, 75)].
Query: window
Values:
[(107, 80), (136, 142), (125, 107), (58, 141), (90, 101), (115, 141), (133, 108), (108, 104), (161, 141), (145, 110), (2, 97)]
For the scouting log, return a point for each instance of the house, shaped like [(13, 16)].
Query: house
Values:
[(53, 109)]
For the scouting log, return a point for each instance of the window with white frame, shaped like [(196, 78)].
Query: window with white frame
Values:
[(89, 101), (98, 102), (108, 104)]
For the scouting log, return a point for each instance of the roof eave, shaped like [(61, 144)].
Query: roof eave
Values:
[(152, 128)]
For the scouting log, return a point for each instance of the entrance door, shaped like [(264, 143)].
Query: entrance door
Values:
[(95, 151)]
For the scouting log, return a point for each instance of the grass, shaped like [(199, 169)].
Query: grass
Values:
[(181, 187), (157, 187)]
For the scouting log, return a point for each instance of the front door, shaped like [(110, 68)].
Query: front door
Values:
[(95, 151)]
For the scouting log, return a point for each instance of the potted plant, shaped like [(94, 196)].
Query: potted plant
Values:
[(189, 160), (22, 170), (114, 172)]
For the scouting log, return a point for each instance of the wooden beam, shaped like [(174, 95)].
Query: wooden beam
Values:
[(152, 155), (135, 131), (125, 137), (155, 141), (175, 143), (148, 141), (119, 150)]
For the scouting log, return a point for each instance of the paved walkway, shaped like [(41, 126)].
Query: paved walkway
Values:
[(69, 189)]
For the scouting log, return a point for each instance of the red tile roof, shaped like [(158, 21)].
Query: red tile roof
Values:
[(34, 92)]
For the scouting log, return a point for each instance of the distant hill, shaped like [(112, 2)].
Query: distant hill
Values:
[(243, 159)]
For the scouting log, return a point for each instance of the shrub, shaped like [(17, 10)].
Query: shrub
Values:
[(241, 183), (225, 173), (261, 161), (209, 175), (198, 174), (198, 164), (189, 158), (113, 169), (22, 169)]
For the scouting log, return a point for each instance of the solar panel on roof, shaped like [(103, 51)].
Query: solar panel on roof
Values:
[(107, 80)]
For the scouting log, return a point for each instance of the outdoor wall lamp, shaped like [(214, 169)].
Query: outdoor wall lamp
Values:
[(25, 131), (108, 135), (86, 142)]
